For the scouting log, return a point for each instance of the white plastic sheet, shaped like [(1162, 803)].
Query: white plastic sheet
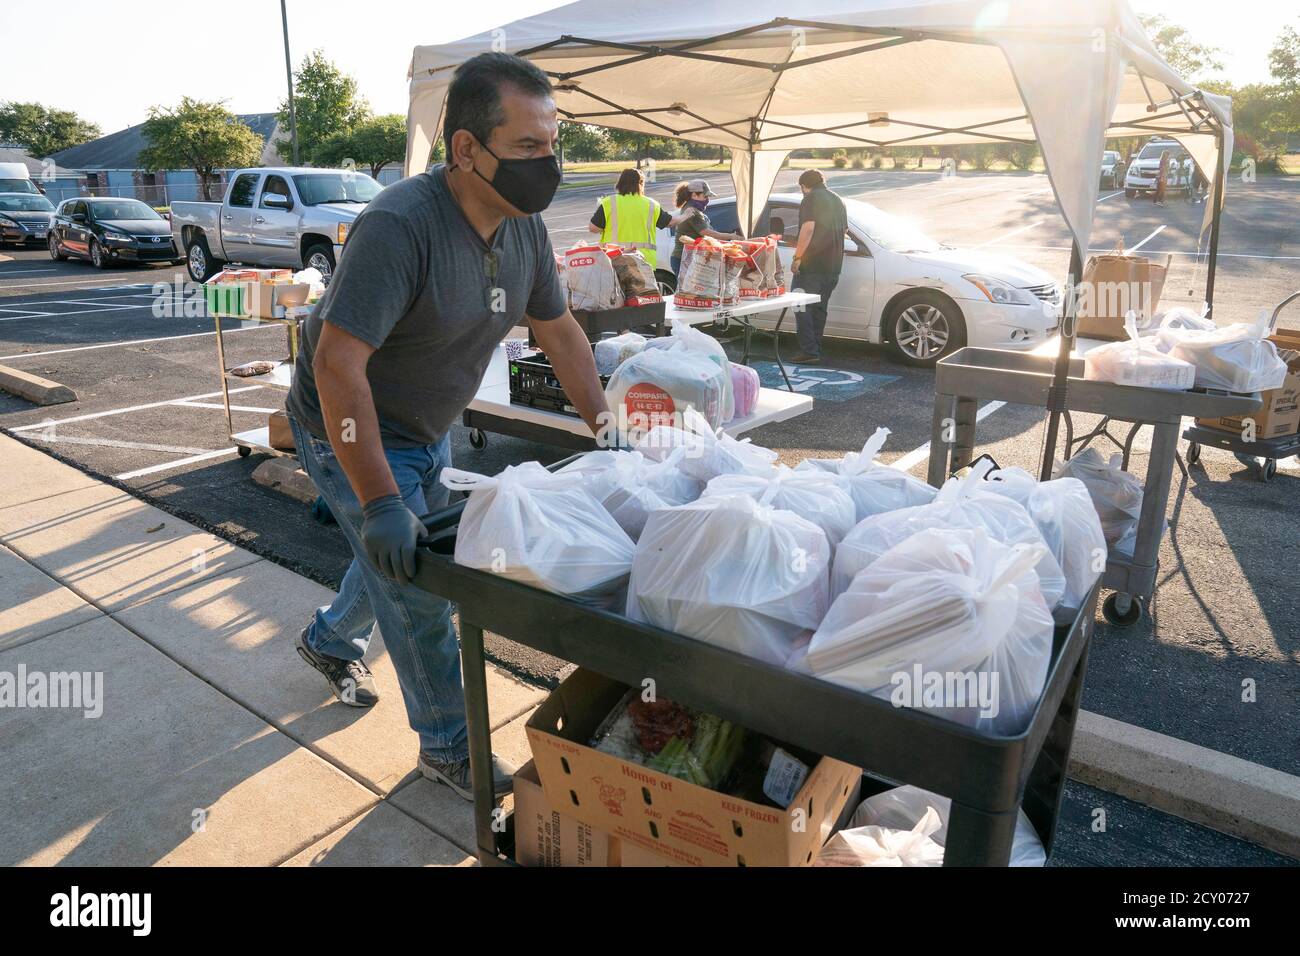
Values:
[(731, 572), (809, 494), (951, 622), (1115, 494), (541, 528), (875, 488)]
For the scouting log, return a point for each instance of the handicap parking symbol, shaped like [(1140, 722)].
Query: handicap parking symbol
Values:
[(822, 384)]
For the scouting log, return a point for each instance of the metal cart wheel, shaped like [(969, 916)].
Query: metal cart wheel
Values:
[(1193, 453), (477, 439), (1121, 610), (244, 451), (1267, 469)]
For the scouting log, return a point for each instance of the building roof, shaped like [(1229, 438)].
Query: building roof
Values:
[(121, 150), (34, 166)]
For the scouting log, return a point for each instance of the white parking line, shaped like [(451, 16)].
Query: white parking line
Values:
[(1111, 196), (152, 469), (220, 407), (1159, 229), (54, 439), (1013, 232), (14, 272), (46, 315), (130, 408), (920, 454), (118, 345)]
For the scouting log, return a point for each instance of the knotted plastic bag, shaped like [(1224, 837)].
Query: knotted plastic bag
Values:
[(1235, 358), (810, 494), (630, 486), (951, 622), (657, 386), (875, 488), (1115, 494), (708, 452), (1137, 361), (541, 528), (733, 573), (883, 846)]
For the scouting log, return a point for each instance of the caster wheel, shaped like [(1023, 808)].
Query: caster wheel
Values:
[(1110, 610), (1193, 453), (244, 451), (1268, 469), (477, 439)]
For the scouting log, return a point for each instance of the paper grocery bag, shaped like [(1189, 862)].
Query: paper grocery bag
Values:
[(1113, 284)]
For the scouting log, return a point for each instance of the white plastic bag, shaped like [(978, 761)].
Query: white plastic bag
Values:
[(631, 486), (952, 606), (1181, 317), (1063, 511), (961, 503), (875, 488), (884, 846), (656, 387), (1139, 362), (1236, 358), (731, 572), (903, 807), (810, 494), (543, 529), (1115, 494), (612, 352), (695, 340), (708, 453)]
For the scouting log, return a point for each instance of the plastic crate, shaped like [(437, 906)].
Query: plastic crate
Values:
[(226, 298), (533, 382)]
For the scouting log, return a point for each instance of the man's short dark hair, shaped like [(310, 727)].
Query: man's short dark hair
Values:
[(811, 179), (474, 98)]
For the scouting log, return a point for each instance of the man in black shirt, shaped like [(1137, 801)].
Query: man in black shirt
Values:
[(818, 257)]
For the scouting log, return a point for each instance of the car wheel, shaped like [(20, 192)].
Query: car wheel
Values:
[(97, 257), (56, 251), (667, 282), (321, 258), (199, 262), (1130, 193), (924, 327)]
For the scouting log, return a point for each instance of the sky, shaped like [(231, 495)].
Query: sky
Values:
[(233, 50)]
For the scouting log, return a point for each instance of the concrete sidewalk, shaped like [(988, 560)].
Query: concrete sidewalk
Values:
[(213, 743)]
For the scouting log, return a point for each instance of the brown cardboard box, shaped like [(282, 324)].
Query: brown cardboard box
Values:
[(545, 837), (280, 437), (688, 824), (268, 300), (1113, 284), (1280, 415)]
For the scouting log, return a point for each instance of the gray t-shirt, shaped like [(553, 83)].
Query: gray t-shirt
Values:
[(414, 283)]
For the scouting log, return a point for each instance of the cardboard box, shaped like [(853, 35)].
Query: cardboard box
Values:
[(1280, 415), (280, 437), (688, 824), (268, 300), (545, 837), (1112, 285)]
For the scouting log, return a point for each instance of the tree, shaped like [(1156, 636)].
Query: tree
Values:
[(581, 142), (325, 103), (200, 136), (1284, 60), (375, 141), (1179, 50), (41, 130)]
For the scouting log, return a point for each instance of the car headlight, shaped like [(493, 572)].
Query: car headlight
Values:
[(999, 292), (6, 221), (343, 233), (116, 237)]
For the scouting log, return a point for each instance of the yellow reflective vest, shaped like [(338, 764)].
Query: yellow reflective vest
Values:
[(630, 222)]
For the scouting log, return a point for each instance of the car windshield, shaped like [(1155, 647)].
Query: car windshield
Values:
[(892, 232), (125, 209), (1110, 157), (18, 186), (17, 203), (317, 188), (1153, 151)]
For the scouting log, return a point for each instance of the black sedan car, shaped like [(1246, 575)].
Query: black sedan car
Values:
[(110, 231), (24, 217)]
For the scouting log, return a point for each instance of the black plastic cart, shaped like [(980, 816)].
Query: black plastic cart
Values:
[(988, 778)]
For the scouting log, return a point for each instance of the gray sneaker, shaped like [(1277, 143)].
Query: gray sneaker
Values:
[(351, 681), (455, 774)]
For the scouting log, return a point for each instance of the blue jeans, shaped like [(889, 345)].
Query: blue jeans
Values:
[(415, 624), (810, 323), (676, 262)]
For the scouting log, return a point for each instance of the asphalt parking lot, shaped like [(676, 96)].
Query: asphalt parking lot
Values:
[(149, 415)]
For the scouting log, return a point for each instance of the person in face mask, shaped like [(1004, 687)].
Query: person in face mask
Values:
[(692, 199), (436, 271)]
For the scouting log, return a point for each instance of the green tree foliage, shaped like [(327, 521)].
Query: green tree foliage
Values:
[(326, 103), (1180, 51), (583, 143), (375, 141), (200, 136), (41, 130)]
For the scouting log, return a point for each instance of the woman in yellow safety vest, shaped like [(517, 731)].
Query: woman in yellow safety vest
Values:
[(630, 218)]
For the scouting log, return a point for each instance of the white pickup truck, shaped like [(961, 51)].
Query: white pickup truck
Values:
[(276, 216)]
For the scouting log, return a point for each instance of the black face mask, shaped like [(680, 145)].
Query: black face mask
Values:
[(527, 184)]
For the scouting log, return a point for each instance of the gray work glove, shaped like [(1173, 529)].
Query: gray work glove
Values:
[(389, 533)]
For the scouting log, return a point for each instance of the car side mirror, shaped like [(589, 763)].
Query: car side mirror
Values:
[(78, 217), (275, 201)]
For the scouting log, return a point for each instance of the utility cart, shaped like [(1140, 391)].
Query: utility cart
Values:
[(988, 778), (1025, 378)]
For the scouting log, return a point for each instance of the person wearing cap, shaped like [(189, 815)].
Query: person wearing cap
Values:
[(630, 217), (692, 199)]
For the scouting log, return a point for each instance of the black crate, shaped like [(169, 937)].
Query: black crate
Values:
[(533, 382)]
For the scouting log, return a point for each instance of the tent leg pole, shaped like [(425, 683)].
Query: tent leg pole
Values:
[(1220, 185), (749, 219), (1056, 396)]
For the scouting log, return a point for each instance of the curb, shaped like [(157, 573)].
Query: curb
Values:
[(40, 391), (1231, 795), (284, 475)]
